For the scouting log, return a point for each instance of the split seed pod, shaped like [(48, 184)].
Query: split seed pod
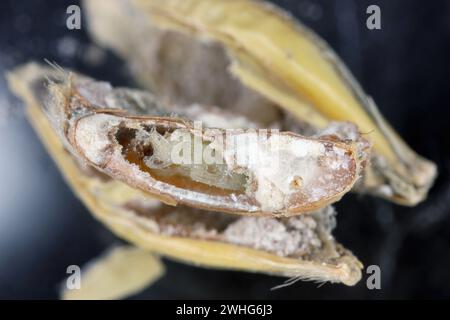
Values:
[(253, 57), (238, 171), (300, 247)]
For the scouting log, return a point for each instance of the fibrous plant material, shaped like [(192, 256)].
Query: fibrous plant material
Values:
[(300, 247), (252, 57), (262, 172), (119, 273)]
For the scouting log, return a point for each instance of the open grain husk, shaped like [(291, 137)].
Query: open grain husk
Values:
[(253, 57), (202, 238), (251, 172)]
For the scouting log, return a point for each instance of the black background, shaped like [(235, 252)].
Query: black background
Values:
[(404, 66)]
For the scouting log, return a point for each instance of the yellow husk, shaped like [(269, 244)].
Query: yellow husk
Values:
[(121, 272), (288, 64)]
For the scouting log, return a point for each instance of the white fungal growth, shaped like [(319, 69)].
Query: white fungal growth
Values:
[(92, 136), (283, 165), (295, 236), (298, 236)]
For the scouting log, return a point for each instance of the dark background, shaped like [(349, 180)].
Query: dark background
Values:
[(404, 66)]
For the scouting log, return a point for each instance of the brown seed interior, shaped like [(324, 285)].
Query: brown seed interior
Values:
[(136, 150)]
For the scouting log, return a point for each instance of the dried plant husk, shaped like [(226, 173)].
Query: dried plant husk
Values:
[(253, 56), (279, 173), (174, 231), (119, 273)]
